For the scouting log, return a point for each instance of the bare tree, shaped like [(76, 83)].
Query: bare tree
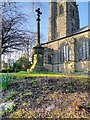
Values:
[(13, 36)]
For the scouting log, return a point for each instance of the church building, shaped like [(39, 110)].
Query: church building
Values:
[(68, 47)]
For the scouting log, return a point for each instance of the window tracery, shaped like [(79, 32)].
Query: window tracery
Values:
[(65, 53)]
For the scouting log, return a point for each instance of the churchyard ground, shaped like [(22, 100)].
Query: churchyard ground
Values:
[(43, 95)]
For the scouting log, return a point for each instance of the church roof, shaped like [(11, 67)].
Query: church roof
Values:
[(82, 29), (79, 31)]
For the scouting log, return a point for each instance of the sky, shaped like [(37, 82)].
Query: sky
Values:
[(29, 9)]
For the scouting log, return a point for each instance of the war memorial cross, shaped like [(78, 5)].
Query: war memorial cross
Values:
[(38, 26)]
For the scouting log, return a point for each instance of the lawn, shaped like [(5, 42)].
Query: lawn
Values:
[(47, 74), (46, 95)]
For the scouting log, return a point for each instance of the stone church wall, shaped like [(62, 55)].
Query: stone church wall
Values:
[(75, 65), (82, 66)]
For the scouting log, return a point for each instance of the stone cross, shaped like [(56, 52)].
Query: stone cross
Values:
[(38, 26)]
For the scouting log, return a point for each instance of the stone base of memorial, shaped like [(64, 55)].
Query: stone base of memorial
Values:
[(37, 65)]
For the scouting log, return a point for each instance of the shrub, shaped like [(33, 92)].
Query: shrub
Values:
[(4, 81), (7, 70)]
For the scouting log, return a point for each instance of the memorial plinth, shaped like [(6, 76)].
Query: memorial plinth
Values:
[(37, 65), (38, 50)]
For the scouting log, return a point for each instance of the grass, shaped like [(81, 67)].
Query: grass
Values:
[(42, 74), (5, 79), (48, 74)]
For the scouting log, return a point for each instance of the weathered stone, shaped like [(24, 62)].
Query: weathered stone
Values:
[(38, 50), (37, 65), (64, 31)]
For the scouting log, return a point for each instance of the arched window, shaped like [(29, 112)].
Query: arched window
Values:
[(84, 50), (61, 9), (65, 53)]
